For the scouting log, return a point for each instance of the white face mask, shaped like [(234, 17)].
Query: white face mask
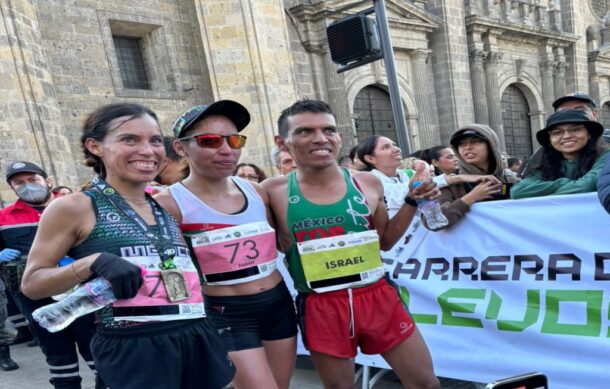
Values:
[(35, 194)]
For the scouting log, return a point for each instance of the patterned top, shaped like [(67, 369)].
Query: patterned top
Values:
[(116, 234)]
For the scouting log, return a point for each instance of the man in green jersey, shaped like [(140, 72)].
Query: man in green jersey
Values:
[(340, 222)]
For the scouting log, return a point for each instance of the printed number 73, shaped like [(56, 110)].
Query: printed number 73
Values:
[(249, 244)]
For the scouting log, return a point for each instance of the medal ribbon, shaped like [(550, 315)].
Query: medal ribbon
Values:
[(162, 241)]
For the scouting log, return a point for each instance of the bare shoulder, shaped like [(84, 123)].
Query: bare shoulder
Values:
[(167, 201), (71, 208), (261, 191), (274, 186), (368, 180), (68, 216)]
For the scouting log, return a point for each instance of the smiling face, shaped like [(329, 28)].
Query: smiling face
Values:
[(132, 150), (447, 161), (474, 151), (569, 139), (313, 140), (386, 156), (210, 162)]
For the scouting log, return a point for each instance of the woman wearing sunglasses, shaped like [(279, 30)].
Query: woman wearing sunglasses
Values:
[(573, 156), (226, 222)]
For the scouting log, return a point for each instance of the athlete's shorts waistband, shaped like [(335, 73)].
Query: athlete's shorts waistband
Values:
[(257, 297), (355, 291), (147, 329)]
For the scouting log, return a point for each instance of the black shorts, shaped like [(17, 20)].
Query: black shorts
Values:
[(243, 322), (176, 354)]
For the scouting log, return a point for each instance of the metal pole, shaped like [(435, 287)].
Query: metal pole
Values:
[(388, 59)]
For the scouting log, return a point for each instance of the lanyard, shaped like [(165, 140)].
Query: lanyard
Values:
[(162, 241)]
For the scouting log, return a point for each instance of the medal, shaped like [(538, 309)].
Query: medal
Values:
[(175, 285)]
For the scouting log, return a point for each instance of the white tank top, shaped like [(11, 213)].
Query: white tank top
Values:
[(229, 248)]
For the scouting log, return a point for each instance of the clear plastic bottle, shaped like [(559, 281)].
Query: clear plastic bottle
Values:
[(431, 209), (87, 298)]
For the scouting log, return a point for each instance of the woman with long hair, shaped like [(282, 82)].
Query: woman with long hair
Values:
[(227, 223), (444, 160), (572, 157), (154, 335), (382, 157)]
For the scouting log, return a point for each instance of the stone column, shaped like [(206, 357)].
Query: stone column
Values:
[(548, 94), (494, 106), (335, 88), (424, 98), (559, 78), (477, 75), (559, 72)]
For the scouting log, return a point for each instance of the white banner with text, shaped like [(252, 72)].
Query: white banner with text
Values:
[(516, 286)]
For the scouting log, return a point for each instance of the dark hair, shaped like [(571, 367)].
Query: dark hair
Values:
[(259, 172), (419, 154), (96, 125), (550, 163), (300, 106), (60, 187), (170, 152), (512, 161), (353, 152), (435, 153), (367, 147), (343, 159)]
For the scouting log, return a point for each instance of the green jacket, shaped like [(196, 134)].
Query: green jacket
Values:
[(535, 186)]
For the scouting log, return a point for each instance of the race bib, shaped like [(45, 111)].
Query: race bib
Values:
[(236, 254), (152, 301), (339, 262)]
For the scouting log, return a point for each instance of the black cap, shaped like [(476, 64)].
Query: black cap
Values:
[(580, 96), (23, 167), (568, 116), (464, 133), (234, 111)]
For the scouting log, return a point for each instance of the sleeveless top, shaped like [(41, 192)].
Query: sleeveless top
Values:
[(117, 234), (313, 226), (229, 248)]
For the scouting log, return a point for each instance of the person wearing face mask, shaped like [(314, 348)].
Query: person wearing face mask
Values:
[(18, 227)]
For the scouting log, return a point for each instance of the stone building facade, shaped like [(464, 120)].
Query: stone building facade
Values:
[(499, 62)]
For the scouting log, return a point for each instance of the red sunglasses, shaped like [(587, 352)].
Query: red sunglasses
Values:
[(214, 141)]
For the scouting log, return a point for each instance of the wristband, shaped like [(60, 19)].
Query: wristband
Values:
[(75, 274), (410, 201)]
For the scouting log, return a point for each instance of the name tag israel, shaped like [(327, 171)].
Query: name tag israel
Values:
[(339, 262)]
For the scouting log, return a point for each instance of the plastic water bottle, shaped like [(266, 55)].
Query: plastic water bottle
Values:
[(87, 298), (431, 209)]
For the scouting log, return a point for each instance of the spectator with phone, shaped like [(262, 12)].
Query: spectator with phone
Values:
[(572, 159)]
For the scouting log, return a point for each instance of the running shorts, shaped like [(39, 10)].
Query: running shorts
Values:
[(373, 317), (243, 322), (184, 354)]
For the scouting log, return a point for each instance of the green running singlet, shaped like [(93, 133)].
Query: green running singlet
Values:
[(307, 221)]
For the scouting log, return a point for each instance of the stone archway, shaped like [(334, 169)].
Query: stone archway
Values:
[(516, 121)]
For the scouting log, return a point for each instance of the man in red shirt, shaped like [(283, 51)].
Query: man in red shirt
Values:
[(18, 226)]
